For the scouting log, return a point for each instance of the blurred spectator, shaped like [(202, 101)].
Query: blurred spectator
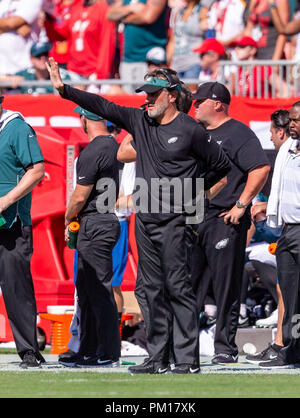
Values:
[(155, 58), (211, 52), (145, 26), (226, 17), (19, 29), (38, 71), (251, 80), (291, 28), (62, 12), (260, 26), (175, 4), (91, 39), (187, 33)]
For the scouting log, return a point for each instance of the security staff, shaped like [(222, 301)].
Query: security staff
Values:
[(169, 144), (99, 232), (21, 169), (222, 237)]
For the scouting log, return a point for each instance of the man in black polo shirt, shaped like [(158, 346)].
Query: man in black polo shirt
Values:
[(169, 145), (222, 237), (96, 167)]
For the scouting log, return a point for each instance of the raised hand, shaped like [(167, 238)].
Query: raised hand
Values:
[(55, 77)]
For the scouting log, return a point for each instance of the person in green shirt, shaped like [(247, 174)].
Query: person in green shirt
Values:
[(21, 169), (39, 54), (145, 26)]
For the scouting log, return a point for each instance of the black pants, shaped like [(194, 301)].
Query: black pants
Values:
[(288, 267), (17, 286), (139, 291), (164, 290), (268, 276), (100, 333), (221, 248)]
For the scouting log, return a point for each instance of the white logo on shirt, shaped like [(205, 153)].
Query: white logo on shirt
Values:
[(222, 244), (79, 178), (172, 140), (30, 136)]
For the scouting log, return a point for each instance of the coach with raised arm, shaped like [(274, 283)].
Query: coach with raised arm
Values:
[(170, 146)]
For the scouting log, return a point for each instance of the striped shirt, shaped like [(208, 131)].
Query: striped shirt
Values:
[(291, 187)]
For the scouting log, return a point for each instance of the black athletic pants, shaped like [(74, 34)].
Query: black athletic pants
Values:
[(164, 290), (288, 267), (221, 248), (17, 286), (100, 332)]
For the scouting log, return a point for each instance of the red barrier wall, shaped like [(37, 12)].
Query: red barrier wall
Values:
[(48, 106), (51, 117)]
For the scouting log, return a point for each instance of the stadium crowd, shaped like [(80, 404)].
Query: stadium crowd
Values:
[(124, 39), (110, 39)]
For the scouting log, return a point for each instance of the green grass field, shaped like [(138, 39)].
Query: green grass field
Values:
[(63, 384)]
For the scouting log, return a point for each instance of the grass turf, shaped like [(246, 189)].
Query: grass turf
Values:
[(38, 384)]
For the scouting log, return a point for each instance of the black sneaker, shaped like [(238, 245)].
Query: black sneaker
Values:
[(270, 353), (277, 363), (206, 321), (148, 367), (96, 362), (224, 359), (29, 360), (67, 354), (70, 361), (185, 369), (243, 322), (40, 357)]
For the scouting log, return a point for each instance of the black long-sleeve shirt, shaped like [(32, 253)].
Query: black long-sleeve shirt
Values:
[(175, 151)]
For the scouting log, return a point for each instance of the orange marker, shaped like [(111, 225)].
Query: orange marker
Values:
[(272, 248)]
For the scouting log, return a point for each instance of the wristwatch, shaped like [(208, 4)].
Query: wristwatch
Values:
[(240, 205), (273, 5)]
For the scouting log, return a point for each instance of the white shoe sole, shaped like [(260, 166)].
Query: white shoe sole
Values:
[(256, 361), (286, 366), (67, 364), (114, 364)]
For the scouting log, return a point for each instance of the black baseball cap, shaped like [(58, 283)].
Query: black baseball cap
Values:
[(213, 90)]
